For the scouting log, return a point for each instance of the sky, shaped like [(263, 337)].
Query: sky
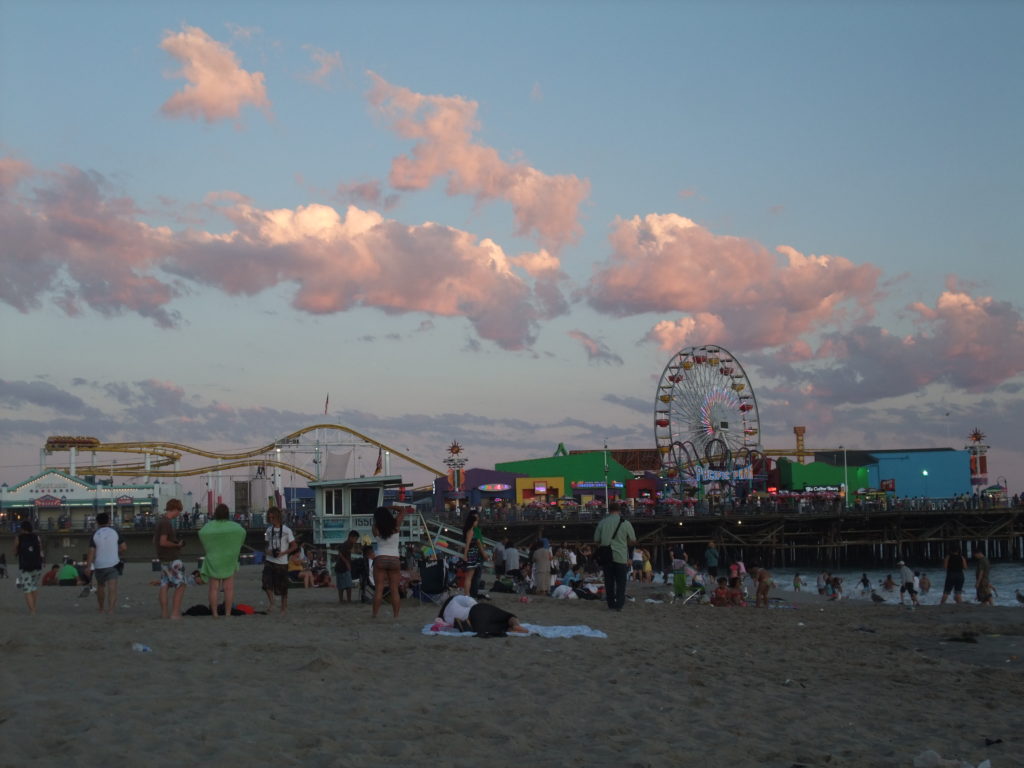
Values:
[(496, 222)]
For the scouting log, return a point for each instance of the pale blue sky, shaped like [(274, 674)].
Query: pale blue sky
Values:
[(885, 134)]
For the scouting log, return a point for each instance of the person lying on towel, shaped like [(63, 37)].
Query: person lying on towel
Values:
[(486, 620)]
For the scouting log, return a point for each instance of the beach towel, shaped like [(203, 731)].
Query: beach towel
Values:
[(222, 541), (580, 630)]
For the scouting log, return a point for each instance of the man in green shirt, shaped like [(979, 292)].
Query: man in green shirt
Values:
[(617, 533)]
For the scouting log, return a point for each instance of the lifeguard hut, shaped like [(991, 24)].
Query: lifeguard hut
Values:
[(348, 505)]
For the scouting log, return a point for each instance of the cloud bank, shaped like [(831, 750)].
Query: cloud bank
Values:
[(69, 237)]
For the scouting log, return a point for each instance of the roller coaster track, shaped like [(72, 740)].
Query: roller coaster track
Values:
[(163, 455)]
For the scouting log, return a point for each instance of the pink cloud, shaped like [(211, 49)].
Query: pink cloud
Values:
[(217, 86), (88, 247), (597, 351), (974, 342), (546, 270), (967, 342), (326, 64), (734, 291), (443, 128), (12, 171), (362, 259), (73, 241)]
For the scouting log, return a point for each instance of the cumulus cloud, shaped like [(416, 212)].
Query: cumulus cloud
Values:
[(443, 127), (597, 351), (218, 87), (734, 291), (326, 62), (362, 259), (72, 239), (970, 343), (546, 270)]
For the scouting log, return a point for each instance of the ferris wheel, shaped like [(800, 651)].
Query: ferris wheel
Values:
[(705, 413)]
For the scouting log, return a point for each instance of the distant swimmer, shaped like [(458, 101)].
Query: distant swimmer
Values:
[(1020, 597), (877, 598)]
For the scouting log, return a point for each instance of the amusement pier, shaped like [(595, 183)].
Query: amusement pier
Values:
[(706, 477)]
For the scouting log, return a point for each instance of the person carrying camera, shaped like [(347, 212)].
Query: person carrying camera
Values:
[(280, 544)]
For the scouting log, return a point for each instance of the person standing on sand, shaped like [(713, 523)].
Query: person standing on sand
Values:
[(280, 544), (222, 540), (168, 549), (29, 551), (343, 567), (711, 560), (955, 565), (105, 550), (618, 534), (387, 566)]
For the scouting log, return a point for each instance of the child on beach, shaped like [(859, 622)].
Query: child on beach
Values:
[(720, 597), (763, 580), (798, 583), (736, 592)]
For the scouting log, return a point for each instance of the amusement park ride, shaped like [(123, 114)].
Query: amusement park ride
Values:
[(162, 459)]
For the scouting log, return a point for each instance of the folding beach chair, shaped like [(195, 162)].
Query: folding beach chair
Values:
[(434, 584), (686, 592)]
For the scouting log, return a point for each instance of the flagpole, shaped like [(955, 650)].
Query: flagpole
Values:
[(606, 502)]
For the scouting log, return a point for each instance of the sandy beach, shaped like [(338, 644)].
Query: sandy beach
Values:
[(805, 684)]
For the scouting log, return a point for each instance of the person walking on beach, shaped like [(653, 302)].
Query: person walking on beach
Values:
[(280, 544), (168, 550), (907, 583), (955, 565), (618, 534), (222, 540), (387, 567), (29, 551), (105, 550)]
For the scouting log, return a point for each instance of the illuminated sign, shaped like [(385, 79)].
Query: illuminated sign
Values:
[(125, 500), (821, 489), (540, 487), (596, 484), (47, 501), (495, 487), (710, 475)]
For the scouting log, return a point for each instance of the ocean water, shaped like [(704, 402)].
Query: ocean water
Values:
[(1005, 577)]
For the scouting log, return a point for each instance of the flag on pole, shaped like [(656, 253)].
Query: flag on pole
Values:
[(326, 401), (380, 461)]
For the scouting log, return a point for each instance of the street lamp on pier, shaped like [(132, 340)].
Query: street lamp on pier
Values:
[(924, 474)]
